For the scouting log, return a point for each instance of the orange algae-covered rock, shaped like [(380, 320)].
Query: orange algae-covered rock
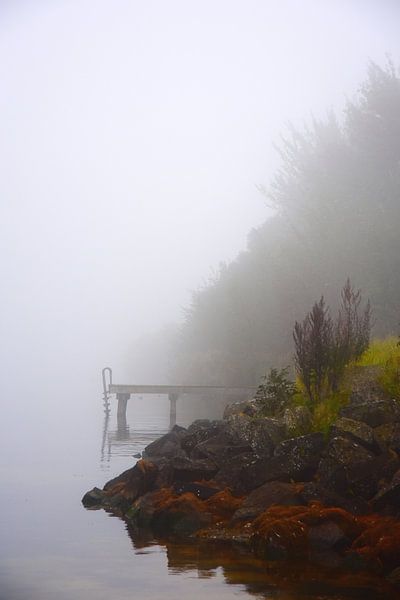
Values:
[(179, 515), (289, 531), (380, 540), (222, 505)]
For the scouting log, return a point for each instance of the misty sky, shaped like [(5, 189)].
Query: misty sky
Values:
[(133, 135)]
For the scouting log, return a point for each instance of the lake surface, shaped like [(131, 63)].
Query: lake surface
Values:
[(52, 548)]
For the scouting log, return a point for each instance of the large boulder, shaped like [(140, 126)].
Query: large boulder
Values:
[(374, 412), (351, 470), (295, 459), (200, 431), (303, 451), (313, 491), (388, 498), (230, 474), (187, 469), (355, 431), (388, 436), (94, 498), (273, 492), (244, 407), (219, 448), (168, 445), (262, 434)]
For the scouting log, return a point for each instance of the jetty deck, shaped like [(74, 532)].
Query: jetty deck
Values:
[(123, 392)]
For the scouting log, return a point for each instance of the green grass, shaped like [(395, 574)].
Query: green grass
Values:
[(380, 352), (385, 354)]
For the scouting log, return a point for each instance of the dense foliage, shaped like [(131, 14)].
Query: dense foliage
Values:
[(337, 206)]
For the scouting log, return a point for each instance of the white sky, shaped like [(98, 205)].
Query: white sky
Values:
[(133, 135)]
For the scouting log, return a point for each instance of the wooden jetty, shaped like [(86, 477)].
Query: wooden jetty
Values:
[(123, 392)]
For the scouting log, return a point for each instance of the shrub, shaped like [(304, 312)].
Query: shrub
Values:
[(323, 348), (276, 391)]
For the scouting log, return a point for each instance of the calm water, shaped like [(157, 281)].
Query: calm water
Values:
[(52, 548)]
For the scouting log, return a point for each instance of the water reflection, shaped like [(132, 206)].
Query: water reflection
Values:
[(119, 439), (257, 577)]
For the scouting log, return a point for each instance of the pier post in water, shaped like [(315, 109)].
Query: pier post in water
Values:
[(121, 411), (172, 409)]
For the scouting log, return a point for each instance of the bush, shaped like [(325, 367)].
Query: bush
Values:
[(276, 391), (323, 348)]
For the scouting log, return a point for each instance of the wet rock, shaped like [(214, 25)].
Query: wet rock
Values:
[(94, 498), (327, 536), (245, 407), (388, 436), (314, 492), (134, 482), (261, 434), (356, 431), (219, 448), (297, 420), (273, 492), (201, 491), (180, 516), (373, 413), (351, 470), (168, 445), (230, 474), (388, 498), (120, 479), (302, 453), (186, 469), (200, 431), (394, 577)]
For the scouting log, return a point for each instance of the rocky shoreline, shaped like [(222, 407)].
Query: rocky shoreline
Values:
[(332, 501)]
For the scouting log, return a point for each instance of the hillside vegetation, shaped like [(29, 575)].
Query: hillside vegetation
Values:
[(336, 198)]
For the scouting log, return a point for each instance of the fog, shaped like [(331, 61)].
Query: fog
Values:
[(134, 136)]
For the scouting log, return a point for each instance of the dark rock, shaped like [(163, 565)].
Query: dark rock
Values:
[(117, 502), (313, 491), (296, 459), (186, 469), (200, 431), (394, 577), (356, 431), (350, 470), (94, 498), (219, 448), (168, 445), (122, 478), (261, 434), (388, 498), (142, 511), (246, 407), (327, 536), (273, 492), (374, 413), (230, 474), (306, 450), (181, 518), (134, 482), (388, 436), (201, 491)]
